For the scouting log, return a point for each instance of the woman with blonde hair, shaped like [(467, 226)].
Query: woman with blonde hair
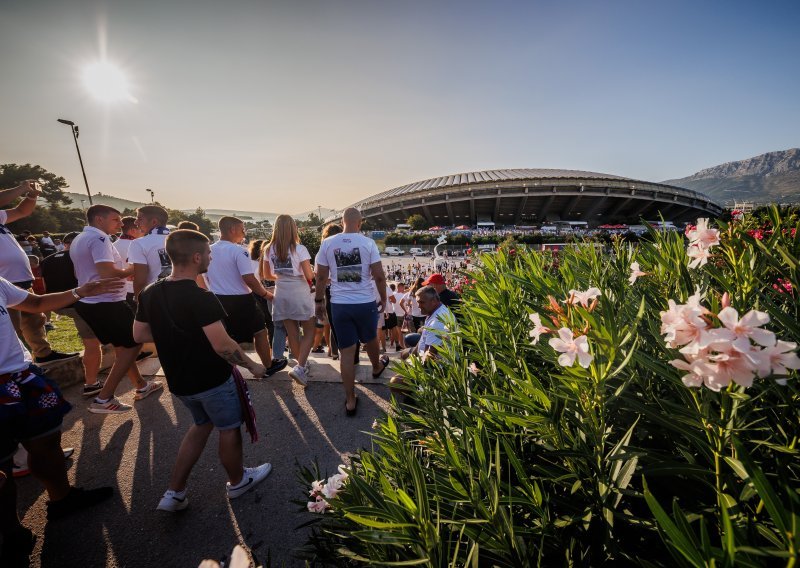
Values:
[(288, 263)]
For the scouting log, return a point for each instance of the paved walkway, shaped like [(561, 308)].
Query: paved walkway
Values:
[(134, 452)]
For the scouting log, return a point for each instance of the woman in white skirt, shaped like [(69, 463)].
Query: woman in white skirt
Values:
[(288, 263)]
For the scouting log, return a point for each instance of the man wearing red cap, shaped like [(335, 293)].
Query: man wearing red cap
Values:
[(448, 297)]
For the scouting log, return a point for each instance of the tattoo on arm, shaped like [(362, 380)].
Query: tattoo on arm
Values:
[(235, 358)]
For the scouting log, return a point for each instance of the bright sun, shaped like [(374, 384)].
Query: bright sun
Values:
[(106, 82)]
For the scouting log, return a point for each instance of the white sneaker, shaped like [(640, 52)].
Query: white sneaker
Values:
[(113, 406), (171, 503), (252, 477), (300, 375), (152, 386)]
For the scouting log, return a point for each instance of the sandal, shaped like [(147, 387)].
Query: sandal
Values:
[(385, 362)]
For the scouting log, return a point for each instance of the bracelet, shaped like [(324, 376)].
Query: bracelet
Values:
[(75, 294)]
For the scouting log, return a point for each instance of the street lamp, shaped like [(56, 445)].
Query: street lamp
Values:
[(152, 194), (83, 205), (74, 128)]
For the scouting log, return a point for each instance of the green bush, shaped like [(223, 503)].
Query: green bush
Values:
[(512, 456)]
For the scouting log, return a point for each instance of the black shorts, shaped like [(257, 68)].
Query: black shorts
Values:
[(245, 318), (111, 322), (391, 321)]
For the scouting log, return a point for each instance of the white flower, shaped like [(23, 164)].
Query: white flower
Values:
[(316, 487), (571, 347), (583, 298), (473, 369), (701, 236), (538, 328), (342, 469), (375, 424), (635, 273), (743, 330)]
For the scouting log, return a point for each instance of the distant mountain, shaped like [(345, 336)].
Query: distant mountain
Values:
[(213, 214), (773, 177)]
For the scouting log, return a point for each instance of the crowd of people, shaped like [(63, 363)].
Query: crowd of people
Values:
[(128, 281)]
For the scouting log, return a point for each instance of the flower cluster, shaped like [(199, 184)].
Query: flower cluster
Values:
[(701, 240), (737, 351), (322, 491)]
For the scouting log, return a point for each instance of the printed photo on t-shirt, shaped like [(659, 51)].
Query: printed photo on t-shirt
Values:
[(166, 263), (282, 266), (348, 264)]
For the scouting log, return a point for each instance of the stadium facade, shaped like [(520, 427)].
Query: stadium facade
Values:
[(535, 196)]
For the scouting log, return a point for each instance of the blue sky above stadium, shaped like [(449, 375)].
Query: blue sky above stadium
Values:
[(283, 106)]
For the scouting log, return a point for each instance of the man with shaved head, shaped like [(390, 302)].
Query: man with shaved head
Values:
[(353, 263)]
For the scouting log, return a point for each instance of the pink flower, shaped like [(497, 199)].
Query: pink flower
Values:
[(682, 324), (777, 359), (316, 487), (695, 368), (583, 298), (538, 328), (635, 273), (571, 348), (473, 369), (318, 506), (729, 366), (743, 330), (334, 485), (702, 236), (699, 256)]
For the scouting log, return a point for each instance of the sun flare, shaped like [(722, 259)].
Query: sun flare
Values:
[(106, 82)]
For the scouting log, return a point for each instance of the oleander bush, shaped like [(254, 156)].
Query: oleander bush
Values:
[(633, 408)]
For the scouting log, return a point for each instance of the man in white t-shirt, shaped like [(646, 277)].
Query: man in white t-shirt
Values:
[(31, 414), (15, 267), (130, 232), (109, 315), (353, 263), (148, 255), (231, 278)]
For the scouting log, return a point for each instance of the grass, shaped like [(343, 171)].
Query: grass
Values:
[(64, 337)]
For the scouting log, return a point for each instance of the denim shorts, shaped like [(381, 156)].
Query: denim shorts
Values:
[(219, 405), (354, 323)]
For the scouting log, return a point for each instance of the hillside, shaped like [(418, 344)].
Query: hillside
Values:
[(213, 214), (770, 177)]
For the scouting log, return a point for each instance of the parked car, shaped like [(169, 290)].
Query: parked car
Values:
[(419, 252), (393, 251)]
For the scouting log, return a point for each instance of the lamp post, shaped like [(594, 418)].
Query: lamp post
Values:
[(83, 205), (74, 128), (152, 194)]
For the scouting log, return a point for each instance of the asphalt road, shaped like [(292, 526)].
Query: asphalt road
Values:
[(134, 452)]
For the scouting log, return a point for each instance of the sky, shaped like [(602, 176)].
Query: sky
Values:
[(284, 106)]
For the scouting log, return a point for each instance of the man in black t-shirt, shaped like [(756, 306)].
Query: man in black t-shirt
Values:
[(449, 298), (197, 355)]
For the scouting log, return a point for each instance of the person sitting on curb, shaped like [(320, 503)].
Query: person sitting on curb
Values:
[(437, 321), (32, 410)]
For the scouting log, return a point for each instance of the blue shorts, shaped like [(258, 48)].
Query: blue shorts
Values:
[(354, 322), (219, 405)]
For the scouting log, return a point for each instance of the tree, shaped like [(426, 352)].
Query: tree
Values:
[(310, 238), (417, 222), (52, 185), (313, 220)]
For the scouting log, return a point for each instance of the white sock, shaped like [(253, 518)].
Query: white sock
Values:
[(99, 400)]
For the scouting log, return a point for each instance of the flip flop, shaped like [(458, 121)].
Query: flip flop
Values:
[(385, 361), (350, 412)]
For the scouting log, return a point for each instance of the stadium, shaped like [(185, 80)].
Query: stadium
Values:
[(535, 197)]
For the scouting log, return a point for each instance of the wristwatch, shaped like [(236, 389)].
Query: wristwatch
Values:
[(75, 294)]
